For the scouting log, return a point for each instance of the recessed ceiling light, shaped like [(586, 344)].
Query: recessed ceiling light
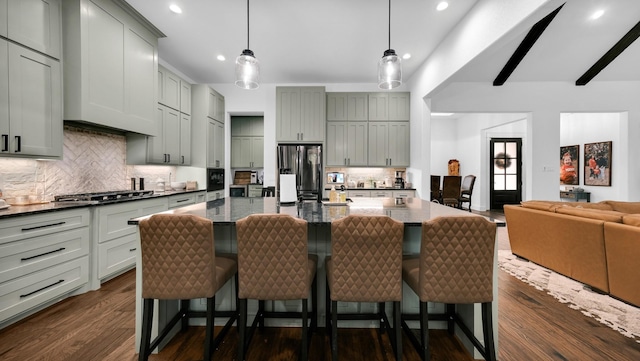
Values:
[(442, 5), (221, 58), (406, 56), (597, 15), (175, 8)]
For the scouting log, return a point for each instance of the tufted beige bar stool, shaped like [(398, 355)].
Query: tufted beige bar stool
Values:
[(274, 264), (365, 266), (455, 266), (179, 263)]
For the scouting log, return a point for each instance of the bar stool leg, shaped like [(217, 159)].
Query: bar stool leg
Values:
[(242, 329), (487, 329), (208, 350), (424, 331), (145, 341), (305, 330), (397, 330), (334, 330)]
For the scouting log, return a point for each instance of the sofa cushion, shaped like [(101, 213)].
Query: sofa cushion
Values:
[(540, 205), (632, 220), (604, 215), (586, 205), (624, 207)]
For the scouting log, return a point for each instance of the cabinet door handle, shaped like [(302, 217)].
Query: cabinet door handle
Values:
[(345, 161), (168, 158), (183, 159), (43, 226), (41, 289), (18, 144), (43, 254), (182, 200), (132, 249), (5, 142), (301, 136)]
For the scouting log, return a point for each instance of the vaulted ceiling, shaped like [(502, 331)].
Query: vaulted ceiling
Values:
[(338, 41)]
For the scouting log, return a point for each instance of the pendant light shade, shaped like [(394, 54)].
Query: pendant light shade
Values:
[(247, 66), (247, 70), (390, 66)]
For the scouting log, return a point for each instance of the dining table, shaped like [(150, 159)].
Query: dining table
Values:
[(225, 212)]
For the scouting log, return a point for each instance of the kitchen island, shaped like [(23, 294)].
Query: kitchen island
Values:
[(411, 211)]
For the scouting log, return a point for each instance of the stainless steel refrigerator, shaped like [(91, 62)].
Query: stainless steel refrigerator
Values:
[(305, 161)]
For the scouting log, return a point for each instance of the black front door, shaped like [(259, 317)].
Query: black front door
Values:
[(506, 172)]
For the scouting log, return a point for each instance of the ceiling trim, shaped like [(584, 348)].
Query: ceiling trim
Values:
[(527, 43), (610, 55)]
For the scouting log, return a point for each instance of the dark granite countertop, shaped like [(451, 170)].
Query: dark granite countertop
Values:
[(228, 210), (16, 211)]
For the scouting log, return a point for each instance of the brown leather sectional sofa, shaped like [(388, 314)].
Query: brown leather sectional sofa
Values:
[(595, 243)]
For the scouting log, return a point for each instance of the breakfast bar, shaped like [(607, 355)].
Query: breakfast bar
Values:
[(411, 211)]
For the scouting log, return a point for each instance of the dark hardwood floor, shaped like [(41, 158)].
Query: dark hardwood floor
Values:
[(99, 325)]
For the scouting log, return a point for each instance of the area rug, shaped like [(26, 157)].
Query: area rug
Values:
[(616, 314)]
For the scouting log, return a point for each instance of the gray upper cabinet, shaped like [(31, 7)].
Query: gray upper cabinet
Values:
[(168, 88), (113, 84), (31, 102), (185, 139), (398, 105), (347, 106), (33, 23), (389, 144), (165, 147), (378, 107), (347, 144), (185, 97), (4, 18), (391, 106), (247, 152), (300, 114), (208, 133)]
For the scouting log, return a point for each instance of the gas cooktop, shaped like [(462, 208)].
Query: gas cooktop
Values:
[(98, 197)]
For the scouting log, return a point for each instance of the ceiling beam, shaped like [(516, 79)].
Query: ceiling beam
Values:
[(524, 47), (610, 55)]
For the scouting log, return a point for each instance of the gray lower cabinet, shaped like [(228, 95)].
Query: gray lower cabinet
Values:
[(347, 144), (43, 258), (389, 144), (116, 241), (181, 200)]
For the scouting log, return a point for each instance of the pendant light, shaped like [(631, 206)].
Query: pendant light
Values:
[(247, 66), (390, 66)]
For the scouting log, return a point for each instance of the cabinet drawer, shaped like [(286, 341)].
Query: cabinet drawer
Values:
[(404, 194), (113, 218), (24, 293), (351, 194), (181, 200), (387, 194), (117, 255), (34, 254), (17, 228)]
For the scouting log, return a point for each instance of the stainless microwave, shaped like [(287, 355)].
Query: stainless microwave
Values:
[(215, 179)]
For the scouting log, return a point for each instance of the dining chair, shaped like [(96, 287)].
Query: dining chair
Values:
[(274, 264), (466, 190), (435, 188), (365, 266), (450, 190), (455, 266), (179, 262)]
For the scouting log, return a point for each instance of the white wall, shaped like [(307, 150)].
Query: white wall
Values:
[(581, 128), (467, 140)]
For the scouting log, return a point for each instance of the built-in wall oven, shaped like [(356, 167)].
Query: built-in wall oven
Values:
[(215, 179)]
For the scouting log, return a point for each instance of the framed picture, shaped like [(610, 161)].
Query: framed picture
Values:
[(570, 165), (597, 164)]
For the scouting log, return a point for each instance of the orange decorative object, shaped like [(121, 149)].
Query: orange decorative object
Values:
[(454, 167)]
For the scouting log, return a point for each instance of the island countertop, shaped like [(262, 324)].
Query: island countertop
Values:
[(410, 211)]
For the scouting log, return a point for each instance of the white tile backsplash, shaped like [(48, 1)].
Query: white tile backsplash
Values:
[(92, 161)]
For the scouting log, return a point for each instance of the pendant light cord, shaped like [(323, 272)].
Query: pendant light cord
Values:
[(389, 24), (248, 24)]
